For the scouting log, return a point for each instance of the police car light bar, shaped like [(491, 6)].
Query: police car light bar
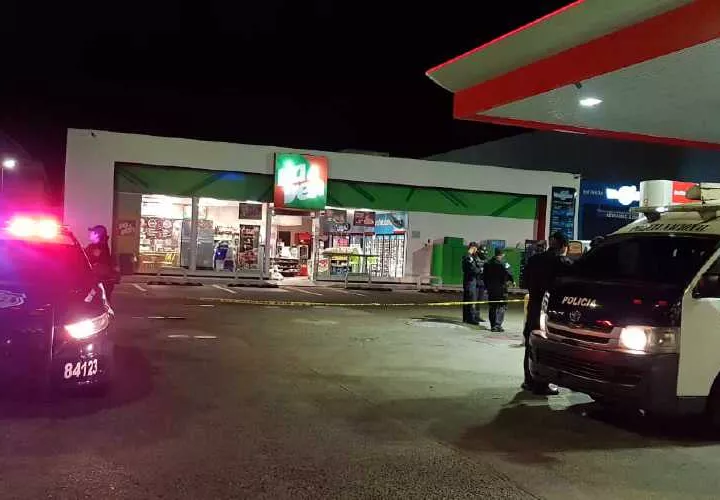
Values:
[(707, 211), (28, 228), (704, 192)]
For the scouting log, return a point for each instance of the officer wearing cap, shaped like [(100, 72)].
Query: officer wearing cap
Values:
[(497, 277), (98, 253), (540, 272), (472, 273)]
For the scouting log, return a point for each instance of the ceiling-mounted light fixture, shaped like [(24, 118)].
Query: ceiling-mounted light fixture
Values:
[(590, 102)]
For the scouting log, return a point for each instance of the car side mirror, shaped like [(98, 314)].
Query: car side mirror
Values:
[(708, 286)]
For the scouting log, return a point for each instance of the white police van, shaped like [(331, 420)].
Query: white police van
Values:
[(636, 321)]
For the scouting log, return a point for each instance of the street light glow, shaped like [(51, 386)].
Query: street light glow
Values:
[(9, 163)]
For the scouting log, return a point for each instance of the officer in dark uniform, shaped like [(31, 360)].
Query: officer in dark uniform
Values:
[(482, 257), (497, 276), (540, 272), (472, 272), (596, 241), (101, 260)]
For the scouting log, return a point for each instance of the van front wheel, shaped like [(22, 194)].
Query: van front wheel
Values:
[(713, 405)]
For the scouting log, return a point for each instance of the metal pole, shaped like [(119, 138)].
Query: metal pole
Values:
[(265, 267), (315, 245), (195, 215)]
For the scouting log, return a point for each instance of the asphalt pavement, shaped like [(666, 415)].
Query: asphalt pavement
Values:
[(230, 400)]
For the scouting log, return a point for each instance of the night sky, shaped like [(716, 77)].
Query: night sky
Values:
[(309, 74)]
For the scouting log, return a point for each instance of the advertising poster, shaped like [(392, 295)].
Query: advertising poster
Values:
[(250, 211), (335, 222), (155, 228), (391, 223), (248, 245), (562, 211), (364, 219), (126, 228), (300, 181)]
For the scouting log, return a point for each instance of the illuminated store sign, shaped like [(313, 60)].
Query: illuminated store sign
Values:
[(301, 181), (625, 195)]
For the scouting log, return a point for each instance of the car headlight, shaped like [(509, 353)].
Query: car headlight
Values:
[(88, 327), (649, 339)]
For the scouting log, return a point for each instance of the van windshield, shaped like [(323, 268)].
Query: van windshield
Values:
[(669, 259)]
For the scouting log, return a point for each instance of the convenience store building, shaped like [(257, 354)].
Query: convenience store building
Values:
[(212, 207)]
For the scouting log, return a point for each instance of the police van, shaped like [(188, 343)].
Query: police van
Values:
[(636, 321)]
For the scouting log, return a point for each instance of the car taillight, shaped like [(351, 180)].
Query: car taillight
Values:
[(88, 327)]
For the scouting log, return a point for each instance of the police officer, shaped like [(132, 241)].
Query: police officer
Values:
[(596, 241), (540, 272), (472, 272), (497, 276), (102, 262), (481, 289)]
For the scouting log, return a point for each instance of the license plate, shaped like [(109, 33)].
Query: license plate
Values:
[(80, 369)]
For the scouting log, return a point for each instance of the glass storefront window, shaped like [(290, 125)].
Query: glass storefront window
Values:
[(230, 235), (362, 242), (226, 236), (161, 226)]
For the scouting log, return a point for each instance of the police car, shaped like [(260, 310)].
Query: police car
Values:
[(54, 318), (637, 320)]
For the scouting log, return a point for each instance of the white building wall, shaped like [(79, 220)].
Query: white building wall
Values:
[(91, 157), (471, 228)]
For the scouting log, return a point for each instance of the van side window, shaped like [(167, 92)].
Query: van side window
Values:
[(709, 284), (715, 268)]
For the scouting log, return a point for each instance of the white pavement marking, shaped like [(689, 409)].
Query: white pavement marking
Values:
[(139, 287), (227, 290), (306, 292), (205, 337), (178, 336), (348, 292)]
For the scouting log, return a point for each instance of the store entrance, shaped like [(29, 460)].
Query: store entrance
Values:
[(229, 237), (291, 245)]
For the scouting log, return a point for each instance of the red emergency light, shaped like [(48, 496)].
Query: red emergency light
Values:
[(24, 227)]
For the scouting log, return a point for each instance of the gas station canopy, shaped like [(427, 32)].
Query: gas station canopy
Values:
[(644, 70)]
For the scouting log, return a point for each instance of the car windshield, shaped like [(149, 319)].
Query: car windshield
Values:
[(662, 259), (43, 263)]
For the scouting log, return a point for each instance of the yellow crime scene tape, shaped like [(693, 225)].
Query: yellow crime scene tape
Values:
[(292, 303)]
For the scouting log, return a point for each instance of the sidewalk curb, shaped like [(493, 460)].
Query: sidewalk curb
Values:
[(174, 283), (368, 288), (252, 285)]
